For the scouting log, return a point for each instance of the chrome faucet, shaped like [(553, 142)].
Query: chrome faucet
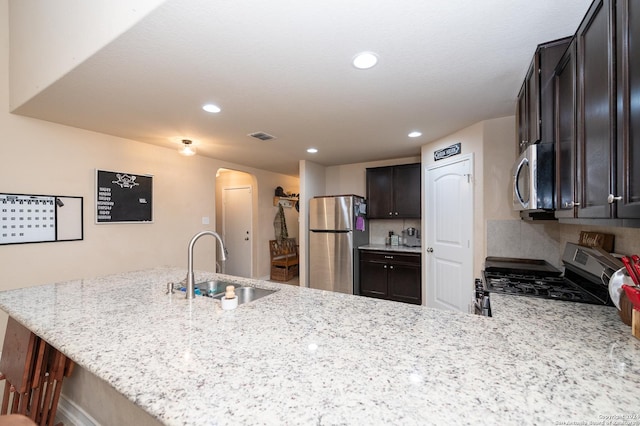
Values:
[(191, 293)]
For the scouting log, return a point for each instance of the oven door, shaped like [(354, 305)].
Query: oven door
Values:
[(533, 178)]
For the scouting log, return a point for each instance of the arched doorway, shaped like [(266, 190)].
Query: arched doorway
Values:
[(235, 220)]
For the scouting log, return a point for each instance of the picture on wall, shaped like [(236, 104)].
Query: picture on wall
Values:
[(123, 197)]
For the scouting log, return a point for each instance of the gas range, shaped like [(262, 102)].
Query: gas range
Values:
[(585, 279), (546, 287)]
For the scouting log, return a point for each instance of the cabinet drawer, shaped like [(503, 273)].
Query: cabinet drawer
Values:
[(390, 257)]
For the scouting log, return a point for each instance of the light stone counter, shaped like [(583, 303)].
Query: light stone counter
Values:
[(383, 247), (310, 357)]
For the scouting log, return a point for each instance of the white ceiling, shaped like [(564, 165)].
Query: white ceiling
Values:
[(284, 67)]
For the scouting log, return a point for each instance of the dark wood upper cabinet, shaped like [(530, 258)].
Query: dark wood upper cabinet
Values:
[(522, 120), (533, 100), (394, 192), (628, 111), (597, 118), (534, 110), (565, 136), (596, 111)]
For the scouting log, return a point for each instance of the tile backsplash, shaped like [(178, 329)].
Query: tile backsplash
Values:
[(546, 240), (517, 238), (379, 228)]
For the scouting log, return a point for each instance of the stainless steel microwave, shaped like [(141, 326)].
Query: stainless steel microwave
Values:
[(533, 178)]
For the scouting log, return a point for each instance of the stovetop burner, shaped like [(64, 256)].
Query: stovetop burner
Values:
[(547, 287)]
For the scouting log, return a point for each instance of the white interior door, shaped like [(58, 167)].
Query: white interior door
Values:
[(449, 239), (236, 230)]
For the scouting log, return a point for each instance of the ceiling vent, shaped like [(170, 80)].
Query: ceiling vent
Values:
[(262, 136)]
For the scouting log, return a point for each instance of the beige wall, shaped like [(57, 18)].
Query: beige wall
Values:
[(499, 153), (312, 183), (45, 37)]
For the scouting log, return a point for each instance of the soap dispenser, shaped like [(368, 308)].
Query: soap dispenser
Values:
[(229, 300)]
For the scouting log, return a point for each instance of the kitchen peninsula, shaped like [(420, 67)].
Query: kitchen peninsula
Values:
[(305, 356)]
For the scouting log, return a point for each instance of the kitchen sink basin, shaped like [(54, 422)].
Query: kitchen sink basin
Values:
[(214, 287), (248, 294)]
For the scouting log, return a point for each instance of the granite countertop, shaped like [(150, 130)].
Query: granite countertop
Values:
[(306, 356), (383, 247)]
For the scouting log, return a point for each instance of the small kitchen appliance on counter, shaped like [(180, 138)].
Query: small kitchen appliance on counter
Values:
[(411, 237), (585, 278)]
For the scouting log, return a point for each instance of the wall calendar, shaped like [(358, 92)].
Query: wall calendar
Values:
[(39, 218)]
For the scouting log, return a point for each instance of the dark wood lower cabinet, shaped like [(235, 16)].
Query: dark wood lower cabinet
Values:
[(391, 275)]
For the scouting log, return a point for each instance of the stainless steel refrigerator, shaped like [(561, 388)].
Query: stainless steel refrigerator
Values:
[(337, 227)]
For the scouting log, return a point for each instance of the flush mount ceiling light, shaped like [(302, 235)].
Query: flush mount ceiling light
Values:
[(312, 150), (187, 148), (415, 134), (211, 108), (365, 60)]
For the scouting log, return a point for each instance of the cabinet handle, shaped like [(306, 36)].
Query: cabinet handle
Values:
[(396, 213), (388, 257), (391, 267), (611, 198), (430, 250), (390, 213), (385, 266), (568, 204)]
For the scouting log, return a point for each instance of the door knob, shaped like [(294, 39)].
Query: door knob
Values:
[(611, 198), (430, 250)]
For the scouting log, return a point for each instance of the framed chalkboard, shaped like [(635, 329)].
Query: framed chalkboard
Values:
[(123, 197), (28, 218)]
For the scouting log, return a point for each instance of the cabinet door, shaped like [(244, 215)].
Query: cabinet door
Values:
[(405, 284), (521, 118), (379, 184), (406, 191), (628, 78), (373, 279), (549, 55), (565, 129), (596, 111), (533, 104)]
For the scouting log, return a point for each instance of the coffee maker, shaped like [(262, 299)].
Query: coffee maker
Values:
[(411, 237)]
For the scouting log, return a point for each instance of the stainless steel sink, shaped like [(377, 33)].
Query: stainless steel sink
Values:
[(248, 294), (214, 287)]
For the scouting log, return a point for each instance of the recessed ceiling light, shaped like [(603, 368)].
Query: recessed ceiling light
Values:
[(415, 134), (365, 60), (312, 150), (211, 108)]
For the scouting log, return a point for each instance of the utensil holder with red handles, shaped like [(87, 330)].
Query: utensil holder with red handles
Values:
[(633, 293)]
